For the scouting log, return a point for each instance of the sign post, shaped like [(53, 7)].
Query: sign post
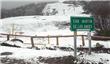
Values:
[(82, 24), (89, 38), (75, 41)]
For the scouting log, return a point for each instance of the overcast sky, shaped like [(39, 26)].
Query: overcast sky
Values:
[(54, 0), (8, 4)]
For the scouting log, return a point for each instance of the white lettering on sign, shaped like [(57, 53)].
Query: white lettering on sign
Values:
[(75, 21), (86, 21), (88, 26), (82, 26)]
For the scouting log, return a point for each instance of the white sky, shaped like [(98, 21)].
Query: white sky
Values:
[(30, 0), (8, 4)]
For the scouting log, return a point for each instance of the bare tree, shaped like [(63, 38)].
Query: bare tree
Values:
[(101, 13)]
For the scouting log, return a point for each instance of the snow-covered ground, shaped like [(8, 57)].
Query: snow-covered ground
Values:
[(27, 54), (97, 57), (23, 53), (46, 26)]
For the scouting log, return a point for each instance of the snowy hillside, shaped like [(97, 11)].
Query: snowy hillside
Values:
[(60, 9), (32, 25), (57, 22), (38, 25), (44, 26)]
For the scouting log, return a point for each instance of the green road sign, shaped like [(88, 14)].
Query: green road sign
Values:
[(81, 23)]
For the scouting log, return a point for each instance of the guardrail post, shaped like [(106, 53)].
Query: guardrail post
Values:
[(32, 42), (8, 37), (48, 39), (57, 40), (83, 42)]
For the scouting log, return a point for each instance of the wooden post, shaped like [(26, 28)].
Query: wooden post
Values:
[(8, 37), (83, 42), (13, 29), (15, 34), (32, 42), (57, 41), (48, 39), (75, 43)]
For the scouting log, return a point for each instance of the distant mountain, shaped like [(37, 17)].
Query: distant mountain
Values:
[(30, 9), (67, 8)]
